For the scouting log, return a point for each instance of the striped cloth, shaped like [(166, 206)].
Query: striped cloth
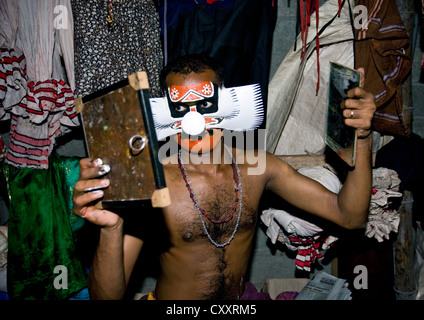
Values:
[(46, 112), (13, 79), (308, 250), (39, 111)]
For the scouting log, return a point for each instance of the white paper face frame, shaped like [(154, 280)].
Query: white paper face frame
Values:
[(239, 109)]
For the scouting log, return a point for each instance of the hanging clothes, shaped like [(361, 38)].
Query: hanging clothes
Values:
[(40, 233), (9, 17), (380, 47), (36, 36), (37, 95), (108, 52), (296, 116), (13, 79), (36, 78), (46, 112), (39, 112)]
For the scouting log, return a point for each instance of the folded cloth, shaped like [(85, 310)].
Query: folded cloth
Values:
[(382, 220), (251, 293), (275, 219), (287, 295), (307, 251)]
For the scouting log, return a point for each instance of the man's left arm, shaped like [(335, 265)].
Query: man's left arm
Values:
[(349, 208), (354, 197)]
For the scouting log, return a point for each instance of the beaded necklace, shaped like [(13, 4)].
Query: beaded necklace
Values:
[(237, 187)]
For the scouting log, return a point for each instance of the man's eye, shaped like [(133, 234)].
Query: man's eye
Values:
[(205, 104), (180, 108)]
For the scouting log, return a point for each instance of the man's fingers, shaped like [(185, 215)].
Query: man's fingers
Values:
[(89, 190), (99, 217), (362, 72), (82, 199), (90, 168), (360, 93), (82, 186)]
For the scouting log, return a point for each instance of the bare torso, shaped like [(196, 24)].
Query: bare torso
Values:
[(193, 267)]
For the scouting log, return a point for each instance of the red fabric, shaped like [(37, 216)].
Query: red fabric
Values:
[(308, 251), (306, 10)]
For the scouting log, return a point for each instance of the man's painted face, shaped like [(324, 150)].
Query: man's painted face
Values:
[(195, 110), (193, 103), (200, 98)]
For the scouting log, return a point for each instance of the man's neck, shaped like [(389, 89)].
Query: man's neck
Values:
[(206, 162)]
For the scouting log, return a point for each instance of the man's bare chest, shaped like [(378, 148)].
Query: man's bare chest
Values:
[(210, 209)]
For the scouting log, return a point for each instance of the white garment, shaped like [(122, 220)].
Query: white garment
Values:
[(13, 80), (382, 221), (9, 22), (35, 34), (277, 219), (296, 117)]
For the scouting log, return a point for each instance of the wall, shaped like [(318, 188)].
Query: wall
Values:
[(417, 86)]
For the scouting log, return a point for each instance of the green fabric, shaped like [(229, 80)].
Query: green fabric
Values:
[(41, 227), (70, 169)]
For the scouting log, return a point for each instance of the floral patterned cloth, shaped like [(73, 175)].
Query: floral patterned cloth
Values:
[(106, 54)]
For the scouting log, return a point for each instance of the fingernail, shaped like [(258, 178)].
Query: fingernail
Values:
[(98, 162), (104, 169), (94, 189), (104, 183), (98, 193)]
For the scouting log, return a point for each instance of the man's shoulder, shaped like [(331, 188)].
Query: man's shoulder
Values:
[(257, 161)]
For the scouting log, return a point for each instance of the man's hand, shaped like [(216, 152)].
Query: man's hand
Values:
[(359, 108), (89, 190)]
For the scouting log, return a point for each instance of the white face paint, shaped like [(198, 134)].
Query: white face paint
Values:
[(239, 109)]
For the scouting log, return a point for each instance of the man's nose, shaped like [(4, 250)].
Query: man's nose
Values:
[(193, 123)]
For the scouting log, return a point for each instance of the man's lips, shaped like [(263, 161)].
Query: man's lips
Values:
[(202, 143), (177, 125)]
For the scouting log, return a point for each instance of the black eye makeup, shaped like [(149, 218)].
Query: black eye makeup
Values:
[(206, 106)]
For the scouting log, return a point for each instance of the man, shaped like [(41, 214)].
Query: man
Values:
[(210, 243)]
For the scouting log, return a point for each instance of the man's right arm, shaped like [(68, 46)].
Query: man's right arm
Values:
[(116, 254), (113, 263)]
